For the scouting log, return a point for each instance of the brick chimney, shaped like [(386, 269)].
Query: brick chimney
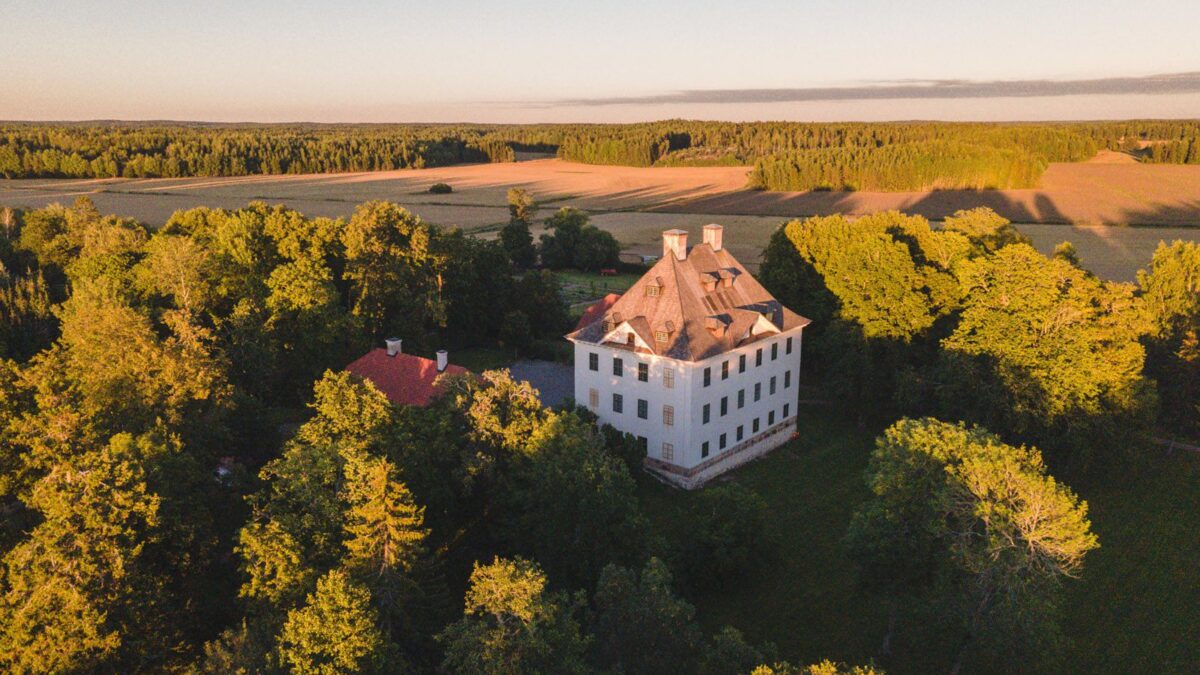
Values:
[(712, 236), (393, 346), (443, 359), (675, 242)]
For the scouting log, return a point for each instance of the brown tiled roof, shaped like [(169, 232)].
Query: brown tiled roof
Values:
[(406, 379), (696, 297), (597, 310)]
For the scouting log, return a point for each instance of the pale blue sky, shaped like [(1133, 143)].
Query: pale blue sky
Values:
[(525, 60)]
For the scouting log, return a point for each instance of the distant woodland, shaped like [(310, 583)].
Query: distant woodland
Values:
[(785, 155)]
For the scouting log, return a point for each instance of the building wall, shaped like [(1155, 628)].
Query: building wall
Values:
[(689, 396)]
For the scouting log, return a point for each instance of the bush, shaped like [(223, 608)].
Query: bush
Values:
[(440, 189)]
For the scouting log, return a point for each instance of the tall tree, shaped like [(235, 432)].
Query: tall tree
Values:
[(515, 236), (334, 632)]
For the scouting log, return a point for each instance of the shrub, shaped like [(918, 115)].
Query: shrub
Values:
[(440, 189)]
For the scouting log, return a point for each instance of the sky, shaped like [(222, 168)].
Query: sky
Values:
[(614, 61)]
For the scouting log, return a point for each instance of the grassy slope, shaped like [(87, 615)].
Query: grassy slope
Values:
[(1136, 608)]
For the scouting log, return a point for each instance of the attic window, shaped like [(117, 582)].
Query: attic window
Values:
[(660, 336), (652, 291), (608, 325)]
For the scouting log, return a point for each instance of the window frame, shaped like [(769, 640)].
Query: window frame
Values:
[(618, 404), (668, 415), (643, 373), (618, 369), (643, 409), (593, 362)]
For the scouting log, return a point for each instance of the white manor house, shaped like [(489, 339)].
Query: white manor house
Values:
[(697, 360)]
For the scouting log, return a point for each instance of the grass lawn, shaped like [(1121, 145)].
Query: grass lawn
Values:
[(580, 288), (1136, 609)]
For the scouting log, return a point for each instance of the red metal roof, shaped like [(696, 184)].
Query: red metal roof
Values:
[(406, 379), (597, 310)]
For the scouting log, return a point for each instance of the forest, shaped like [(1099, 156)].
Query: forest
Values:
[(192, 484), (784, 155)]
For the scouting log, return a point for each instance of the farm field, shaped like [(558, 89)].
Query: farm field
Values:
[(636, 204), (1133, 605)]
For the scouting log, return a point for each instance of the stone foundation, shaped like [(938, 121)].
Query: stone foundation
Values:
[(752, 448)]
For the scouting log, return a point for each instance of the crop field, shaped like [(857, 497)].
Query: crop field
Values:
[(636, 204)]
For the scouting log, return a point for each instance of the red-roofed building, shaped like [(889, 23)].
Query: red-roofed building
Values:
[(406, 379), (597, 309)]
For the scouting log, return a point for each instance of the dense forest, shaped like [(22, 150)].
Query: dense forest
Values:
[(191, 483), (785, 155)]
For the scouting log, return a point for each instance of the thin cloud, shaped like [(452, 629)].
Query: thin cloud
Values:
[(1171, 83)]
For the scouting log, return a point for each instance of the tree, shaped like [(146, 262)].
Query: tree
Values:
[(572, 504), (515, 235), (987, 230), (1048, 353), (512, 624), (392, 273), (516, 333), (1170, 292), (384, 527), (730, 521), (957, 512), (69, 590), (334, 632), (639, 625), (572, 242)]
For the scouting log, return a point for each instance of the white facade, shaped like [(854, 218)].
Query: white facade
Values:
[(751, 408)]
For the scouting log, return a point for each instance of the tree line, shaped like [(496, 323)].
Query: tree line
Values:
[(786, 155)]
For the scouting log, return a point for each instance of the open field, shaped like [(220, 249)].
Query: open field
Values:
[(636, 204), (1137, 603)]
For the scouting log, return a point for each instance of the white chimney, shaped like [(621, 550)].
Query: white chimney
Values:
[(443, 359), (712, 236), (675, 242), (393, 346)]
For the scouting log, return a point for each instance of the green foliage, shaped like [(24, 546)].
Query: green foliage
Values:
[(573, 243), (639, 625), (1170, 293), (957, 512), (334, 632), (1065, 371), (512, 624), (728, 538), (985, 229), (440, 189)]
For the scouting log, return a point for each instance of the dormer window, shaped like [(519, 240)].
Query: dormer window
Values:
[(660, 336), (652, 291)]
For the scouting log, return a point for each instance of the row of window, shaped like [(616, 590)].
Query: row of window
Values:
[(758, 361), (740, 432), (706, 410), (643, 407)]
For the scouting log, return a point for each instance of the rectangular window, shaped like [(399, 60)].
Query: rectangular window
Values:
[(669, 378), (704, 449), (707, 376), (593, 362), (643, 444), (742, 363), (724, 406), (722, 442), (643, 409), (739, 432), (741, 398), (774, 350), (668, 453), (786, 408), (652, 291), (618, 403), (668, 416), (771, 389), (660, 336), (754, 426), (757, 390), (725, 370), (704, 413), (787, 379), (770, 418), (618, 366), (788, 346), (593, 399), (758, 357), (643, 372)]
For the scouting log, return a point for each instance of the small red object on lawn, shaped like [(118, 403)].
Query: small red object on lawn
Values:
[(608, 272)]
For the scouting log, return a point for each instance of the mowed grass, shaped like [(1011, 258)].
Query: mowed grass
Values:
[(1136, 608)]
